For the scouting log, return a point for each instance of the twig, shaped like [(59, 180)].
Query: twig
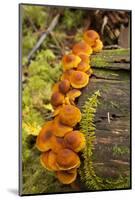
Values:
[(57, 43), (42, 38), (108, 116)]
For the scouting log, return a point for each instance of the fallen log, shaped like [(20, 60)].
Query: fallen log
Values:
[(111, 154)]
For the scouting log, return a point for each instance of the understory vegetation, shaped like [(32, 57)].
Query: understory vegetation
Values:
[(39, 73)]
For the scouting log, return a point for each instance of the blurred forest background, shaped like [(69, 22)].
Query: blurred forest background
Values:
[(41, 68)]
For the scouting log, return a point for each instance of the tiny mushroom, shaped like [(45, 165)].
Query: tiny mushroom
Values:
[(43, 141), (79, 79), (57, 144), (59, 127), (66, 177), (44, 160), (70, 61), (69, 115), (66, 75), (98, 46), (48, 161), (90, 37), (73, 94), (83, 66), (75, 140), (82, 47), (84, 57), (64, 86), (57, 99), (67, 159)]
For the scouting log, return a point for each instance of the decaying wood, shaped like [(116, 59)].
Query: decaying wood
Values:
[(111, 156)]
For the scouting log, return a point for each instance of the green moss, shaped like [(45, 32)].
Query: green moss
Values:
[(116, 52), (106, 57), (87, 173), (99, 61), (120, 150), (72, 18)]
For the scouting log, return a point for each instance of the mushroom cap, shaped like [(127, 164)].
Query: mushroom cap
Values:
[(98, 46), (66, 177), (60, 128), (84, 57), (90, 37), (66, 75), (44, 160), (83, 66), (73, 94), (48, 161), (75, 140), (52, 161), (79, 79), (67, 159), (43, 141), (82, 47), (69, 115), (57, 99), (64, 86), (57, 144), (70, 61)]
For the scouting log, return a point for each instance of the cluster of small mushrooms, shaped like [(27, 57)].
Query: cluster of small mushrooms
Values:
[(59, 140)]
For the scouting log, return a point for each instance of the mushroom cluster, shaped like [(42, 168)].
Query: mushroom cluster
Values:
[(59, 140)]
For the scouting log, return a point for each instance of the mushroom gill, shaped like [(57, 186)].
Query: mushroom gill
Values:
[(66, 177)]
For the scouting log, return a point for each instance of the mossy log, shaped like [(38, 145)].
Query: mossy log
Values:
[(111, 154)]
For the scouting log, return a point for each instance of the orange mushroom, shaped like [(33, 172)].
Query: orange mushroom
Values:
[(98, 46), (69, 115), (44, 160), (57, 144), (75, 140), (84, 57), (67, 159), (55, 88), (64, 86), (70, 61), (59, 127), (73, 94), (43, 141), (57, 99), (66, 177), (90, 37), (82, 47), (83, 66), (66, 75), (48, 161), (78, 79)]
